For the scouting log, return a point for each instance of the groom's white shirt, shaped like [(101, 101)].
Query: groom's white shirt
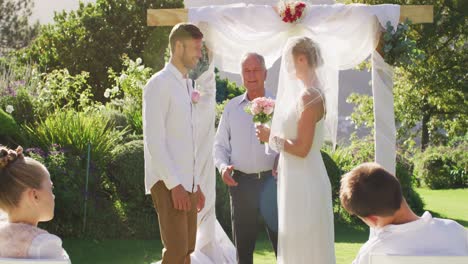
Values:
[(424, 237), (168, 130)]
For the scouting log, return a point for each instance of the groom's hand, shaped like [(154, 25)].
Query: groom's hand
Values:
[(227, 178), (180, 198)]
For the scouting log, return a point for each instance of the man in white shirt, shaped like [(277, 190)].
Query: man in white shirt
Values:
[(169, 146), (242, 161), (375, 196)]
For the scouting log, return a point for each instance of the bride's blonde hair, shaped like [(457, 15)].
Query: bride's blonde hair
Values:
[(307, 47)]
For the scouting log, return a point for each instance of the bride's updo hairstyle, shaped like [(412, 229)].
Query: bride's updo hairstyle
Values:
[(17, 173), (305, 46)]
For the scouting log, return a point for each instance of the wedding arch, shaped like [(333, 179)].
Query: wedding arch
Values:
[(351, 34)]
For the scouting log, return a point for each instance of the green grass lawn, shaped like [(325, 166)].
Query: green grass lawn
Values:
[(442, 203)]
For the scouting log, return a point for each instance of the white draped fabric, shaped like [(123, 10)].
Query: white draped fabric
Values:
[(385, 130), (212, 245), (348, 34)]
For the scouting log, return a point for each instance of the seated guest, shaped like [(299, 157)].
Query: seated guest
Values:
[(375, 196), (26, 196)]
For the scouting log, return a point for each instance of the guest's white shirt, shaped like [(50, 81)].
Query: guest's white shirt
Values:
[(423, 237), (236, 143), (168, 130), (47, 246)]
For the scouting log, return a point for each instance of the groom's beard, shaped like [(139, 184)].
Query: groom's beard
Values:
[(188, 62)]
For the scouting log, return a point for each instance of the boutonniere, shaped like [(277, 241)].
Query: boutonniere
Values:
[(195, 96)]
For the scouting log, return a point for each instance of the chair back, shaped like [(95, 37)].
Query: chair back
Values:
[(392, 259), (33, 261)]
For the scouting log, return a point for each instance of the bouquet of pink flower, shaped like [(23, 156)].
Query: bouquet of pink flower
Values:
[(261, 108)]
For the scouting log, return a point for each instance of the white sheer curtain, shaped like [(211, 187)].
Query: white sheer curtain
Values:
[(348, 33)]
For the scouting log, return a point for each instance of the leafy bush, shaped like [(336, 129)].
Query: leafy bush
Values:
[(127, 171), (67, 172), (17, 85), (96, 35), (226, 89), (74, 130), (127, 93), (115, 117), (9, 128), (399, 49), (334, 174), (443, 167), (59, 90)]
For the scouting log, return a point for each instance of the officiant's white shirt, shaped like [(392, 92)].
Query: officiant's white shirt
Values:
[(236, 143), (168, 130), (423, 237)]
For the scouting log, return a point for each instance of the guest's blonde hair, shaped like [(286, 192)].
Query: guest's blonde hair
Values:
[(17, 173)]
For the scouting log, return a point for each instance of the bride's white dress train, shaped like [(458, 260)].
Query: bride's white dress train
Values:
[(306, 230)]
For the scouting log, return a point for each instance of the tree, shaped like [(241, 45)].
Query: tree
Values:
[(431, 95), (96, 36), (15, 31)]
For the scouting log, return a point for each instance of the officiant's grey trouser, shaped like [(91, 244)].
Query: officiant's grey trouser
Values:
[(245, 204), (178, 228)]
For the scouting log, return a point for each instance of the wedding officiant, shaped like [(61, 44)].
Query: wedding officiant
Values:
[(244, 165)]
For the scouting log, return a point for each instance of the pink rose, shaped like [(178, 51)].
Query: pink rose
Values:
[(268, 110), (195, 96), (256, 108)]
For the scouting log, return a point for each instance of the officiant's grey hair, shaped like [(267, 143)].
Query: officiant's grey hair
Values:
[(259, 57)]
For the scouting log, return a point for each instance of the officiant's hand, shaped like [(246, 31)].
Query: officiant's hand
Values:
[(201, 199), (263, 133), (180, 198), (227, 178)]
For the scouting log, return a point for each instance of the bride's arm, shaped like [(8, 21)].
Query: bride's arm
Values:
[(300, 146)]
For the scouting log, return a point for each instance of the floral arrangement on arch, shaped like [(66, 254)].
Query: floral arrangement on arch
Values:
[(291, 11)]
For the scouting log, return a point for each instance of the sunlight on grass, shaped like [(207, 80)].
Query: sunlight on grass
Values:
[(451, 204)]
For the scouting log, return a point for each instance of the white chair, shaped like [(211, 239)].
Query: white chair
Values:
[(393, 259), (33, 261)]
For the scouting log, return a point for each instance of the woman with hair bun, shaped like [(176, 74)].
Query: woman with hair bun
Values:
[(26, 197)]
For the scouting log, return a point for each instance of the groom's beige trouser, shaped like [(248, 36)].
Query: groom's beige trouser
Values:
[(178, 228)]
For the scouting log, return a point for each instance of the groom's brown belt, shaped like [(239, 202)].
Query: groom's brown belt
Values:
[(258, 175)]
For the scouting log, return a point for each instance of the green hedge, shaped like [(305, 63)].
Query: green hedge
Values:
[(136, 211), (443, 167), (9, 128)]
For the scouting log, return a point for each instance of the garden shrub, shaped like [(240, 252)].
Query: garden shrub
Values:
[(67, 172), (127, 171), (443, 167), (74, 130), (9, 128)]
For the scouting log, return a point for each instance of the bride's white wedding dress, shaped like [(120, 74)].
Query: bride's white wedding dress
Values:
[(306, 232)]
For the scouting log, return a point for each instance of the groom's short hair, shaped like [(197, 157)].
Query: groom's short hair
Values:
[(369, 189), (183, 31)]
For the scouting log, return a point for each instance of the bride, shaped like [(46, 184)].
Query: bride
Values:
[(306, 232)]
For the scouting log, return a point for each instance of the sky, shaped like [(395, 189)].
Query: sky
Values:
[(44, 9)]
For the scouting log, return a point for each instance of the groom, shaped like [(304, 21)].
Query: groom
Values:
[(169, 132)]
